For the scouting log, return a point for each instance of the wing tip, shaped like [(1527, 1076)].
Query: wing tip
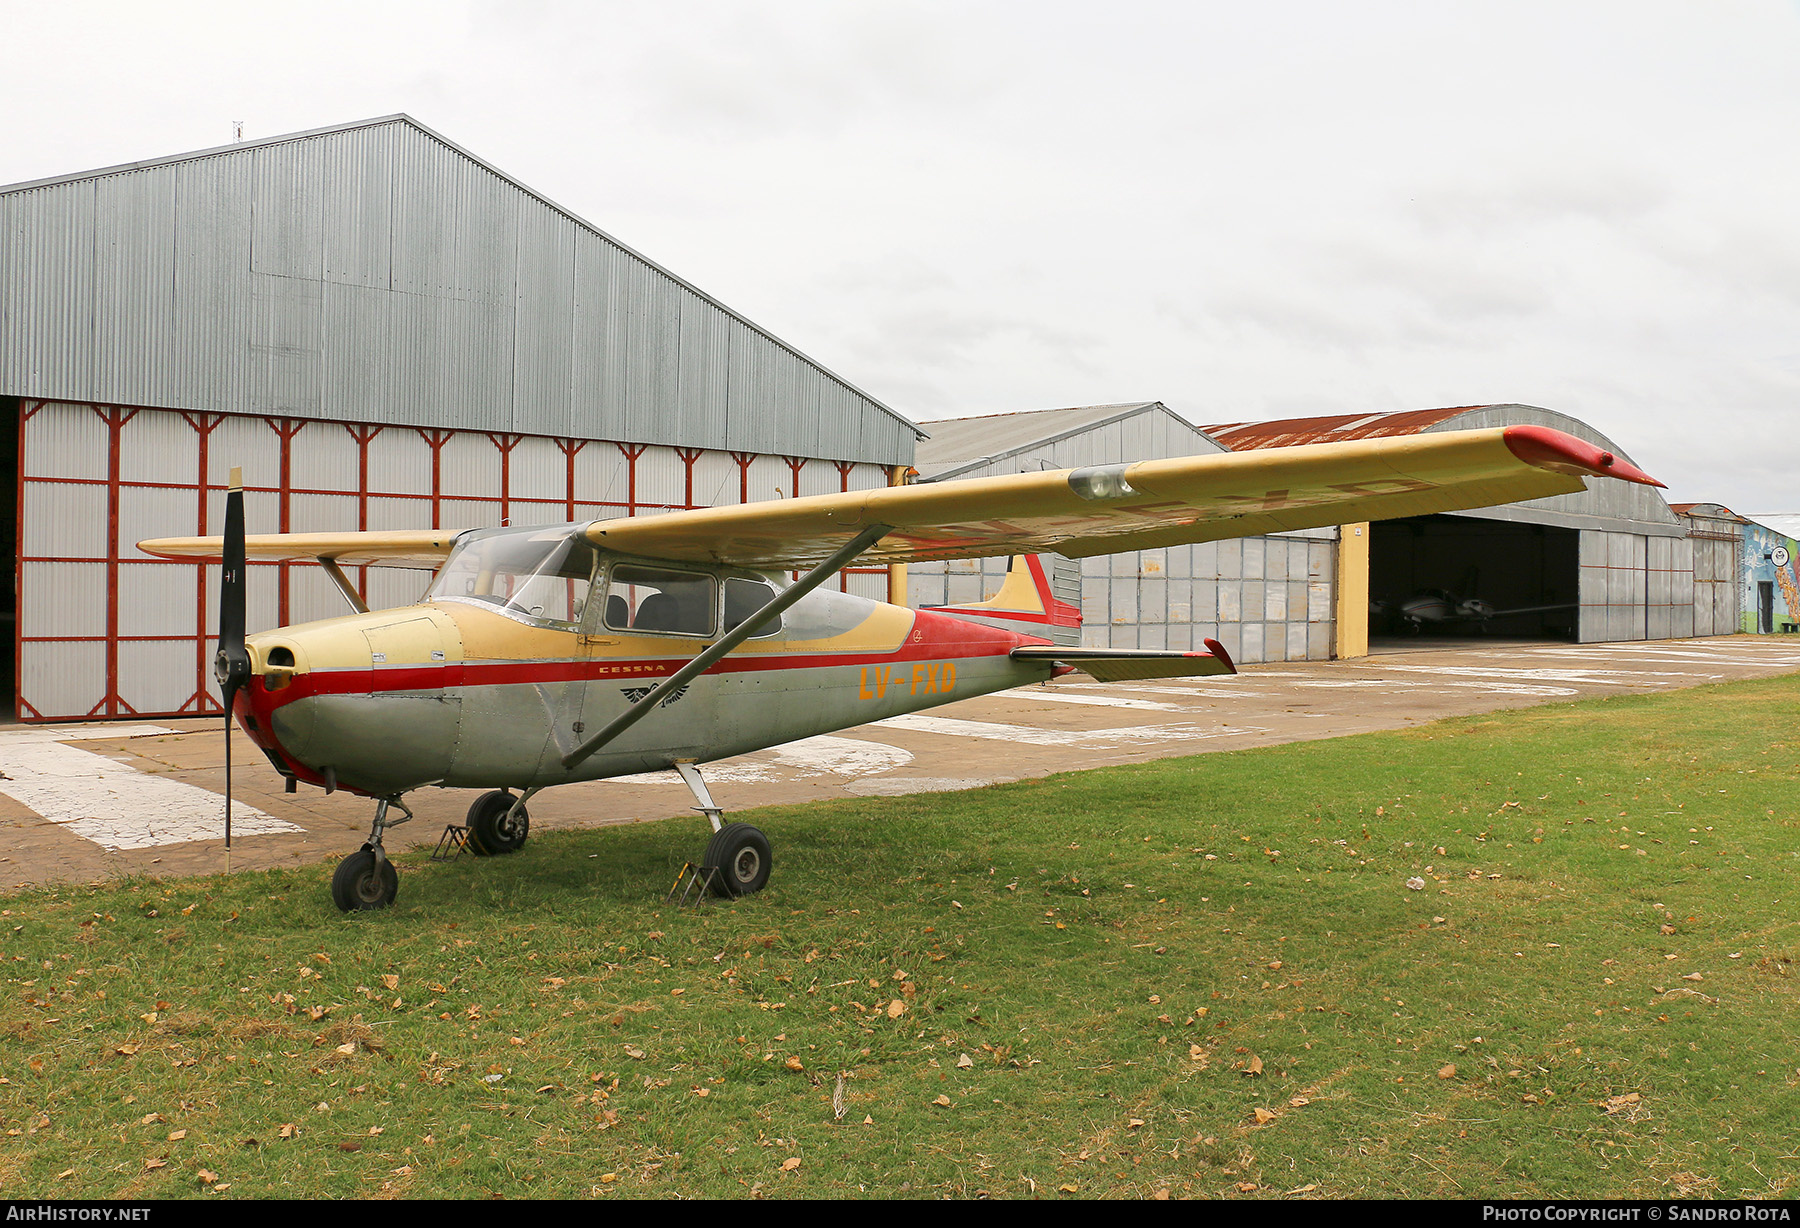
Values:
[(1548, 448), (1218, 650)]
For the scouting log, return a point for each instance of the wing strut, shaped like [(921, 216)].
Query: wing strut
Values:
[(840, 559), (331, 568)]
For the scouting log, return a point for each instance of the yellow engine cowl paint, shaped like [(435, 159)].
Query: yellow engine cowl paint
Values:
[(372, 700)]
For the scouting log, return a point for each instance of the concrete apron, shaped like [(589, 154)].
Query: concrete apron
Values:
[(82, 803)]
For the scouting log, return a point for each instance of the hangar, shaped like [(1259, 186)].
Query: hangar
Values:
[(1614, 563), (1769, 570), (383, 331), (1611, 563)]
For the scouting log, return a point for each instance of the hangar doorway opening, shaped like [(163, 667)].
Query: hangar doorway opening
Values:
[(1444, 577)]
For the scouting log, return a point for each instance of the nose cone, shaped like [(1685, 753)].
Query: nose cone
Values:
[(369, 701)]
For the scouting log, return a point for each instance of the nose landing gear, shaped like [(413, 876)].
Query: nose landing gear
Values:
[(366, 879)]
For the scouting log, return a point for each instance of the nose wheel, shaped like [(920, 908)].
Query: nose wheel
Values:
[(366, 879), (364, 882)]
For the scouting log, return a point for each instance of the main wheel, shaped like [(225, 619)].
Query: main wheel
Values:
[(364, 882), (495, 827), (740, 854)]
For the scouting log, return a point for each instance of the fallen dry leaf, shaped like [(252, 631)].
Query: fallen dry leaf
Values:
[(896, 1008), (1255, 1066), (964, 1062), (1448, 1072), (794, 1063), (942, 1101), (1262, 1115), (790, 1164)]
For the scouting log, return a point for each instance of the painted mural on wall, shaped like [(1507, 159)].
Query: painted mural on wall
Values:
[(1770, 600)]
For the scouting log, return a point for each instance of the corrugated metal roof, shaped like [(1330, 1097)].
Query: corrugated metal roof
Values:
[(1292, 432), (1714, 511), (959, 444), (1785, 523), (377, 271)]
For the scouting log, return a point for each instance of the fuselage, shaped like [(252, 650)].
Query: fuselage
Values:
[(499, 674)]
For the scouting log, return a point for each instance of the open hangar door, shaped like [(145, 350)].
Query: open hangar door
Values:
[(1462, 576)]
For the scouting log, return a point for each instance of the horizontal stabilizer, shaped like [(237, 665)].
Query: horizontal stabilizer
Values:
[(1131, 664)]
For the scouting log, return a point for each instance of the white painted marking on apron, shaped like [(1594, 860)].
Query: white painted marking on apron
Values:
[(111, 803), (1593, 677), (1401, 684), (820, 756), (1098, 701), (1056, 737)]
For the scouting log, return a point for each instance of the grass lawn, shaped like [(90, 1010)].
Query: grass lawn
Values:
[(1543, 953)]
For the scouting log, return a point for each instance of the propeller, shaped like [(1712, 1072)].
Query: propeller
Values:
[(231, 666)]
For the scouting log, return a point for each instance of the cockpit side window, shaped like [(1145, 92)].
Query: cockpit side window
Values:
[(660, 600), (744, 598)]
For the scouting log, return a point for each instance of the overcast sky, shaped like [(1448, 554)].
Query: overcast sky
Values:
[(1242, 210)]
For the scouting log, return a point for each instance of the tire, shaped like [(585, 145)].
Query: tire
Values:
[(740, 853), (493, 828), (364, 883)]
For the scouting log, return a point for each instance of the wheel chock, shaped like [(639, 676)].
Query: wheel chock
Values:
[(692, 886), (452, 844)]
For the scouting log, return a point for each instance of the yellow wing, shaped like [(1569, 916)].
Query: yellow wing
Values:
[(424, 549), (1107, 509), (1102, 509)]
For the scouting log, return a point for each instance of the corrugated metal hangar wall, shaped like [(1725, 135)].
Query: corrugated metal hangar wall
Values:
[(1717, 536), (1264, 598), (384, 332)]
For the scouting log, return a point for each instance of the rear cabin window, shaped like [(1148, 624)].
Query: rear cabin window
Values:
[(667, 602)]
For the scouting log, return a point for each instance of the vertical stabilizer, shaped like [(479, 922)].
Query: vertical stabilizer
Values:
[(1027, 602)]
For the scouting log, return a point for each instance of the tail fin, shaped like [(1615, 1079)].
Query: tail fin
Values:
[(1026, 603)]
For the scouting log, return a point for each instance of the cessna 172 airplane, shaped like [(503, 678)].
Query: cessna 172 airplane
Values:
[(539, 656)]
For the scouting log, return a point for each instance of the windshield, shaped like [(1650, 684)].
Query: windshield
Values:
[(537, 574)]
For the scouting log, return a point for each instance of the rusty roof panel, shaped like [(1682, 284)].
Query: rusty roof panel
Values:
[(1292, 432)]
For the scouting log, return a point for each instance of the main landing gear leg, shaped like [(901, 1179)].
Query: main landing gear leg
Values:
[(366, 879), (737, 861)]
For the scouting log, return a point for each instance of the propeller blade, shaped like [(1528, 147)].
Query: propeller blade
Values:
[(232, 664)]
